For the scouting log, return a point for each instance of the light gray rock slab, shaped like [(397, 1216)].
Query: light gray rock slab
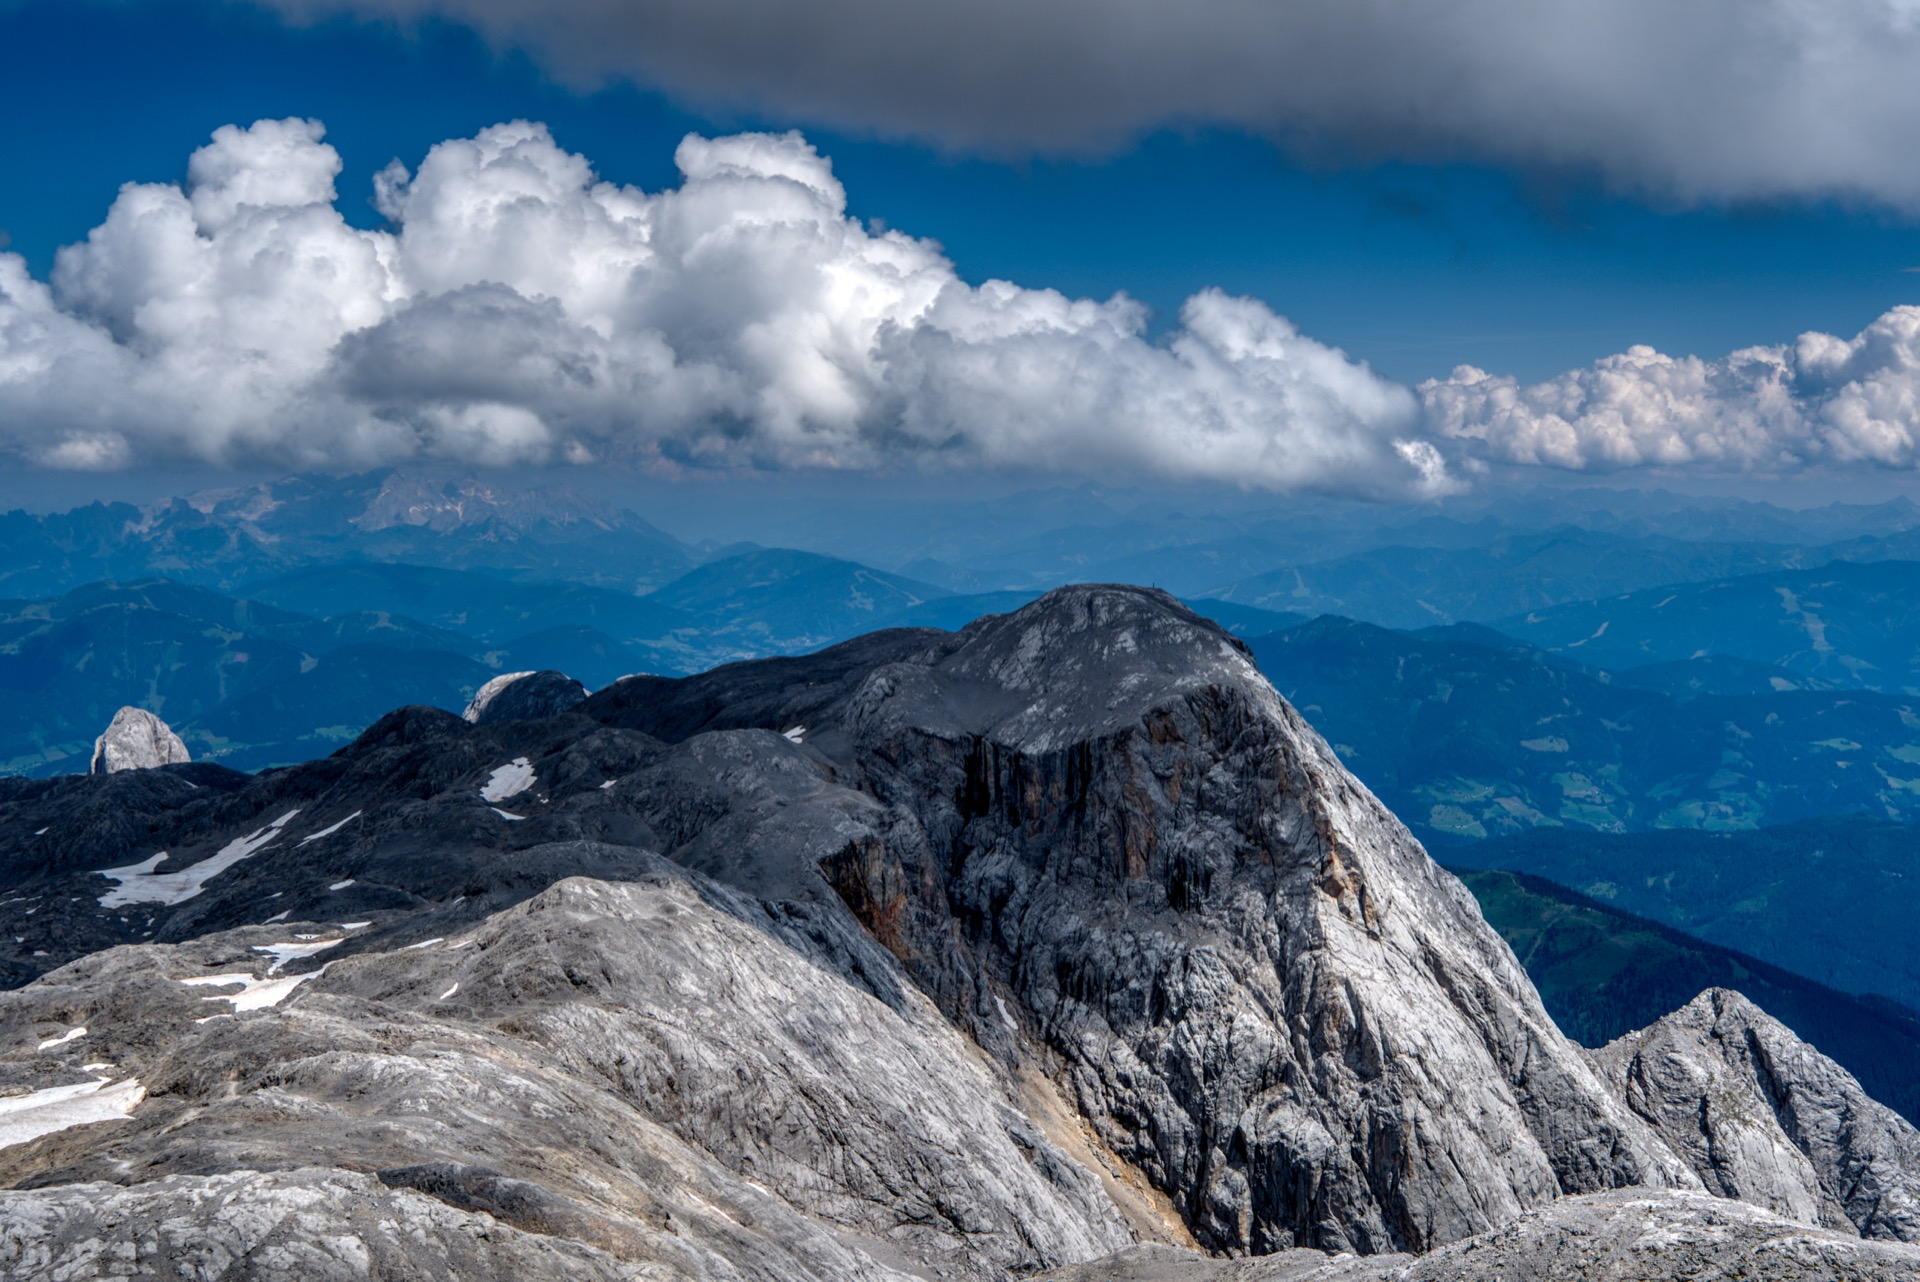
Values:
[(621, 1064), (311, 1224)]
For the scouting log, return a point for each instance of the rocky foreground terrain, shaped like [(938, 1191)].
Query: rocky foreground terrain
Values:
[(1057, 946)]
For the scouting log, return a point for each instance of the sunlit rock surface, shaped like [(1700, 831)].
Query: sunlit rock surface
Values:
[(136, 740), (1762, 1116)]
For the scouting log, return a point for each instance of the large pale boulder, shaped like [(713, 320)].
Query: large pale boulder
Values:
[(136, 740)]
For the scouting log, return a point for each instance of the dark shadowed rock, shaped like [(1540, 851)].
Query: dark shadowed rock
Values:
[(524, 696)]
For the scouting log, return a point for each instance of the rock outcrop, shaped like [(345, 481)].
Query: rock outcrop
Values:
[(524, 696), (136, 740), (1763, 1117)]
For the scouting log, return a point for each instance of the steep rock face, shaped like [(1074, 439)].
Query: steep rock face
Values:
[(136, 740), (1764, 1117), (524, 696), (1265, 994)]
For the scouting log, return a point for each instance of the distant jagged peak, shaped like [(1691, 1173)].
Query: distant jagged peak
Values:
[(438, 504), (1765, 1118), (524, 696), (136, 740)]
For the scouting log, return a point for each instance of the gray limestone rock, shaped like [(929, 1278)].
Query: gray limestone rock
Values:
[(136, 740), (1637, 1236), (936, 955), (1764, 1117), (312, 1224), (1263, 992), (641, 1067), (1633, 1235), (524, 696)]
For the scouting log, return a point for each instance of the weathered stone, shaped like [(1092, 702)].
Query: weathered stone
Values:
[(1764, 1117), (136, 740), (1630, 1235)]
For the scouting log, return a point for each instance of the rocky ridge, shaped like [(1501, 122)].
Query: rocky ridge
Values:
[(938, 955), (1763, 1117)]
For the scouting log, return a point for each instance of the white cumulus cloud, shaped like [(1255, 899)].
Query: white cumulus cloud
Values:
[(1701, 99), (1818, 400), (519, 309)]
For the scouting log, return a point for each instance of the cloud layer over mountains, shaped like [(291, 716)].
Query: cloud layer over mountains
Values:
[(520, 310), (1710, 99), (1817, 400)]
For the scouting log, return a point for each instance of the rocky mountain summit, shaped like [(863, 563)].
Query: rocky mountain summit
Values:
[(932, 955), (1762, 1116), (136, 740)]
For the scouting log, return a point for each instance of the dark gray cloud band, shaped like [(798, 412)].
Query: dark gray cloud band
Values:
[(1690, 99)]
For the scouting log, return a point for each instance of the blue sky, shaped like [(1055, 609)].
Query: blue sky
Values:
[(1415, 268), (1524, 269)]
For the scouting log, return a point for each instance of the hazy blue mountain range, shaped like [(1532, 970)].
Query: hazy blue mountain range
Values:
[(1603, 972), (309, 660), (1463, 558), (1468, 734), (1833, 898), (1847, 624), (225, 538)]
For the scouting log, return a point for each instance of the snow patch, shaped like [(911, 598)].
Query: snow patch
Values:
[(28, 1117), (282, 915), (451, 991), (341, 885), (72, 1034), (284, 953), (425, 943), (509, 780), (796, 733), (254, 994), (504, 815), (329, 831), (140, 884)]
